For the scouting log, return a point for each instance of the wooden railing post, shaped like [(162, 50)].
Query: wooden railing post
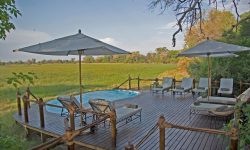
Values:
[(194, 83), (130, 146), (138, 83), (161, 122), (113, 127), (28, 95), (240, 86), (72, 117), (217, 84), (41, 112), (174, 83), (234, 138), (18, 99), (129, 82), (25, 109), (69, 142)]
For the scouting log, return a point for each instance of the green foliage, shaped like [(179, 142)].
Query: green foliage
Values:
[(19, 79), (243, 123), (7, 11), (58, 79), (161, 55), (245, 127), (213, 27), (88, 59), (233, 67), (12, 136)]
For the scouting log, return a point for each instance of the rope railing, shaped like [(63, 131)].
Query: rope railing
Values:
[(48, 144), (162, 125), (69, 136), (70, 131), (121, 84), (150, 132), (128, 81), (53, 105)]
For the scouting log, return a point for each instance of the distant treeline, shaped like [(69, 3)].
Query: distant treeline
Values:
[(161, 55)]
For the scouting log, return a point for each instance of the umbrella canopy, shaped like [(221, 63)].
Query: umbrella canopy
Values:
[(214, 49), (210, 48), (71, 45), (78, 44)]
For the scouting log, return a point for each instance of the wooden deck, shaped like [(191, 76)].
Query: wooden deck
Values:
[(175, 110)]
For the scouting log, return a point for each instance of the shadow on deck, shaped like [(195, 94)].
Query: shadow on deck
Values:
[(175, 110)]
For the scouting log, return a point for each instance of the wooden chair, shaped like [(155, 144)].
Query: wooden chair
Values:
[(226, 86), (202, 87), (185, 87), (127, 113), (66, 102), (167, 84)]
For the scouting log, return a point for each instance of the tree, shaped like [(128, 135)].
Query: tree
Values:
[(189, 12), (236, 68), (135, 57), (162, 54), (88, 59), (213, 26), (7, 11)]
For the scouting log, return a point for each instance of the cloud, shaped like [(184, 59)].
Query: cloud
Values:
[(25, 37), (109, 40), (21, 38), (170, 25), (243, 6)]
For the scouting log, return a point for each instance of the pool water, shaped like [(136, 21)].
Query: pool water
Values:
[(111, 95)]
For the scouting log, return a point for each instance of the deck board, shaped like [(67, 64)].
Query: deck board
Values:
[(175, 110)]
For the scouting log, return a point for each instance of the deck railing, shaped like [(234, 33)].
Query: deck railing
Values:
[(70, 131), (239, 86), (162, 124)]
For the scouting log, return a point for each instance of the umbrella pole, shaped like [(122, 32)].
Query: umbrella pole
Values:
[(209, 77), (80, 79)]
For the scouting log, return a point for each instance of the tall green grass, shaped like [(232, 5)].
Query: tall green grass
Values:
[(59, 79)]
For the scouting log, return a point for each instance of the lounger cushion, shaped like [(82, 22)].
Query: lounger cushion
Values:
[(131, 106), (123, 113), (218, 100), (201, 88), (196, 103), (180, 88), (221, 108), (225, 89)]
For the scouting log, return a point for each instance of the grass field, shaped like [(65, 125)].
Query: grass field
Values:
[(59, 79)]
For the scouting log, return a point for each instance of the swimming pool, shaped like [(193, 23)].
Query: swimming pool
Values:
[(111, 95)]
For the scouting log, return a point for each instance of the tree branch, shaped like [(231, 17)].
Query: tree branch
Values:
[(236, 11), (180, 21)]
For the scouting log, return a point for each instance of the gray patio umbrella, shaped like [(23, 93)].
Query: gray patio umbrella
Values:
[(78, 44), (210, 48)]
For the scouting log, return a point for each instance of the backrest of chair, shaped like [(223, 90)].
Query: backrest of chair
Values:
[(100, 105), (75, 101), (203, 82), (226, 83), (167, 82), (66, 101), (187, 83)]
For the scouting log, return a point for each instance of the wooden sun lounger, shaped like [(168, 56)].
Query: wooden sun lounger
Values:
[(218, 100), (125, 113)]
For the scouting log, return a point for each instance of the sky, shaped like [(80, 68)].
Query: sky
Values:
[(127, 24)]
